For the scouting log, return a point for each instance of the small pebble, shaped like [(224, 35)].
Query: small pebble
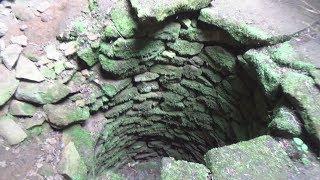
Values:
[(23, 27)]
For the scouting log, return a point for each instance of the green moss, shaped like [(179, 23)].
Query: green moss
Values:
[(113, 88), (224, 60), (305, 96), (168, 33), (117, 110), (93, 5), (285, 55), (111, 32), (285, 123), (139, 48), (186, 48), (259, 157), (123, 20), (266, 71), (79, 26), (119, 68), (179, 170), (83, 142), (88, 56), (106, 49)]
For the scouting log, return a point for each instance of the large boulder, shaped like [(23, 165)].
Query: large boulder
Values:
[(160, 10), (26, 69), (8, 84), (41, 93), (253, 159)]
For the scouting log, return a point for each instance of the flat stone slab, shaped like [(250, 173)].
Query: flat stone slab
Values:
[(260, 21), (160, 10), (253, 159)]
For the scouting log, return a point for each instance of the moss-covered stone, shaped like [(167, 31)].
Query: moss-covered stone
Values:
[(256, 158), (119, 109), (180, 170), (88, 56), (63, 115), (41, 93), (146, 87), (139, 48), (114, 87), (285, 123), (83, 142), (19, 108), (123, 20), (285, 55), (147, 76), (160, 10), (119, 68), (72, 164), (168, 33), (305, 96), (125, 95), (186, 48), (267, 72), (222, 58), (111, 32), (106, 49)]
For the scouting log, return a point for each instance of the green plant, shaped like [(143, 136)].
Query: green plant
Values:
[(302, 149)]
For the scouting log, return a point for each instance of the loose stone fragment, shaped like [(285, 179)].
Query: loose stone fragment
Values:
[(19, 108), (147, 76), (72, 164), (21, 40), (43, 93), (26, 69), (22, 11), (62, 115), (8, 84), (11, 131), (69, 48), (259, 157), (160, 10), (186, 48), (10, 55)]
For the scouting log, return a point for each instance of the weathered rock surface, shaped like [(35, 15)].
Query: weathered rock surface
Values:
[(11, 131), (19, 108), (62, 115), (3, 29), (41, 93), (10, 55), (176, 169), (8, 84), (259, 157), (160, 10), (26, 69), (21, 40), (255, 22)]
